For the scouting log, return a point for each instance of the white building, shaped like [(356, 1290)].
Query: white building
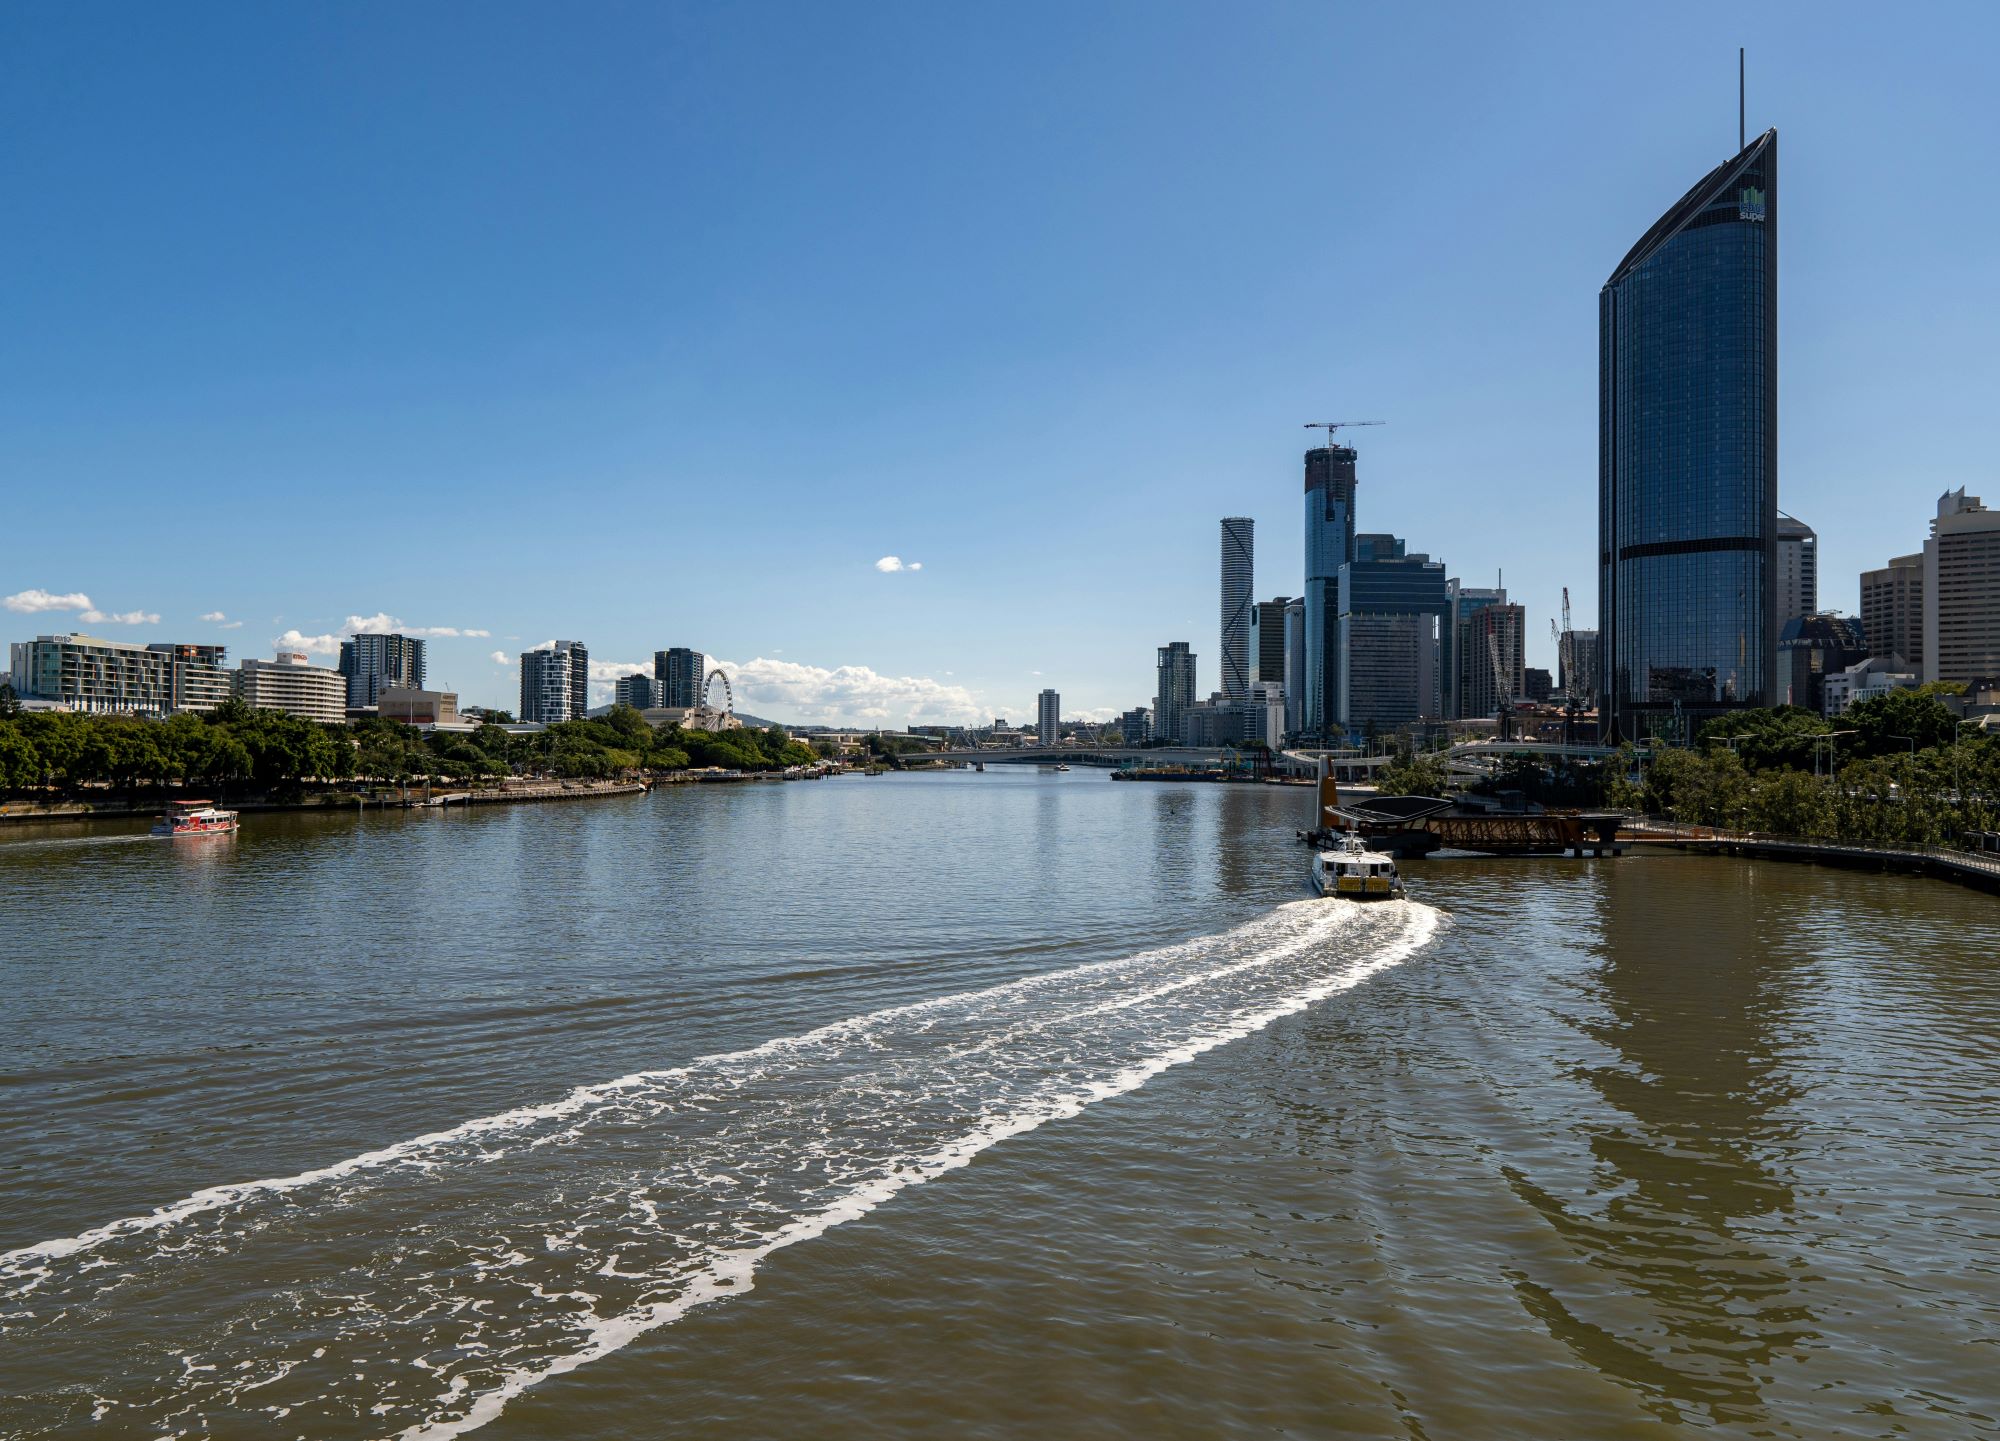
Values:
[(555, 682), (97, 677), (1048, 718), (1864, 681), (1271, 696), (293, 685)]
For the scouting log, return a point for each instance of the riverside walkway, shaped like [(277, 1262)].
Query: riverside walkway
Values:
[(1968, 868)]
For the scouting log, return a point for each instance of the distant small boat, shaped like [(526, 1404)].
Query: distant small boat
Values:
[(1353, 872), (1061, 766), (194, 818)]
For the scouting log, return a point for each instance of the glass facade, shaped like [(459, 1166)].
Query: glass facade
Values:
[(1687, 456), (1329, 546)]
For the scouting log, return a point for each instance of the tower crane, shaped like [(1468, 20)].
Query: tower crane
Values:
[(1503, 682), (1330, 426)]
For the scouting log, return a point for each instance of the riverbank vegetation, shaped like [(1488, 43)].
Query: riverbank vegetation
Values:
[(1898, 769), (60, 751)]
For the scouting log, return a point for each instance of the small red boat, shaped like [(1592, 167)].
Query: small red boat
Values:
[(194, 818)]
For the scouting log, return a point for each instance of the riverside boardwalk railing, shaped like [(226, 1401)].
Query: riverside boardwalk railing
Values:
[(1978, 869)]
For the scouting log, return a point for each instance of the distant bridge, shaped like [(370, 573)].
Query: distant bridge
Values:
[(1074, 755)]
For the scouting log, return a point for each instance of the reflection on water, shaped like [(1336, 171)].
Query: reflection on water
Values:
[(1697, 1080)]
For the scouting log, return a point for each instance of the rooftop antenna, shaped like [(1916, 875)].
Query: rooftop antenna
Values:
[(1742, 136)]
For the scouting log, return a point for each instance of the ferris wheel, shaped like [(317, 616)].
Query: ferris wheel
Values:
[(728, 695)]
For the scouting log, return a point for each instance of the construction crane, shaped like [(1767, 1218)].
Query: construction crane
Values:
[(1577, 692), (1503, 682), (1330, 426)]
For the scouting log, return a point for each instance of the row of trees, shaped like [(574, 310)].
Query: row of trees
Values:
[(59, 750), (1899, 768)]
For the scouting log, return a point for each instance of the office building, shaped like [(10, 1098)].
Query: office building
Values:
[(1238, 557), (1136, 725), (1798, 569), (679, 675), (1492, 644), (1267, 641), (636, 690), (1538, 684), (292, 684), (1048, 717), (197, 680), (425, 709), (1295, 664), (555, 683), (1175, 665), (97, 677), (1812, 647), (374, 661), (1330, 485), (1962, 591), (1688, 456), (1390, 605), (1892, 610), (1269, 697), (1865, 680), (1456, 664)]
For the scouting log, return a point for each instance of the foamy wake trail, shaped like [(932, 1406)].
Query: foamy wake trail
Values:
[(417, 1288)]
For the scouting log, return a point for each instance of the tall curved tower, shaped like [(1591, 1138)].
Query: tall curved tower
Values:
[(1688, 456), (1238, 553)]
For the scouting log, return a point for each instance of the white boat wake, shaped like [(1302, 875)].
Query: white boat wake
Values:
[(417, 1288)]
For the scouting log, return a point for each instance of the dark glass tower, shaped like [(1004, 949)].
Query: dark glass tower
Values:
[(1687, 491), (1329, 546)]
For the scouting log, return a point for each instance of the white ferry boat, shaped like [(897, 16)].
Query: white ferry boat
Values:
[(1352, 871), (194, 818)]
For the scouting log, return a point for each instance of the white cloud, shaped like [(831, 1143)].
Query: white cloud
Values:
[(212, 616), (220, 621), (34, 602), (231, 625), (812, 695), (383, 621), (500, 657), (890, 564), (311, 644), (121, 617)]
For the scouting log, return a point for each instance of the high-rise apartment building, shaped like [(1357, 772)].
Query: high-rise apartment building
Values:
[(1798, 569), (636, 690), (678, 676), (1048, 717), (292, 684), (98, 677), (1330, 484), (373, 661), (1176, 690), (1238, 563), (1688, 455), (1136, 725), (1267, 641), (197, 680), (1295, 664), (1455, 658), (1962, 591), (1390, 604), (555, 683), (1498, 629)]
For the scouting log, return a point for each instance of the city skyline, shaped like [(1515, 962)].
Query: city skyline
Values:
[(492, 358)]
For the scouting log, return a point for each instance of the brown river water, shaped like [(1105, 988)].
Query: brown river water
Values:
[(1004, 1105)]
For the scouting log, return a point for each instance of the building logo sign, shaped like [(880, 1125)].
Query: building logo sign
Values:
[(1750, 204)]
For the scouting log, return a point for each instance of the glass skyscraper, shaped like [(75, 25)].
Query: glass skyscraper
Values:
[(1238, 561), (1688, 456), (1329, 546)]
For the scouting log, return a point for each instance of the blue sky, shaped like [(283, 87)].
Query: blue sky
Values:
[(661, 325)]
